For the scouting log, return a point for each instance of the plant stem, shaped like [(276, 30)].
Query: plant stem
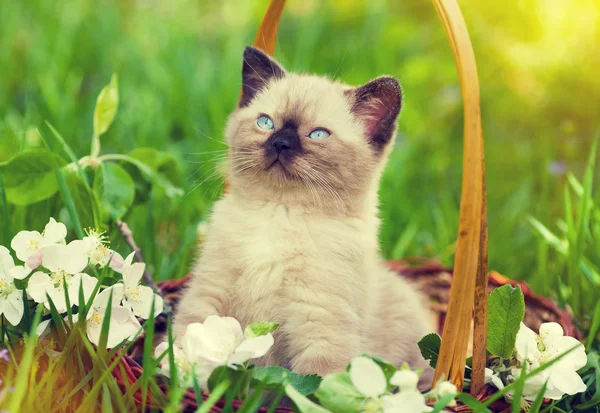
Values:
[(128, 236)]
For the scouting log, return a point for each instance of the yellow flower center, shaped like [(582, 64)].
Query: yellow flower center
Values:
[(59, 278), (133, 294), (6, 287), (33, 245), (96, 318)]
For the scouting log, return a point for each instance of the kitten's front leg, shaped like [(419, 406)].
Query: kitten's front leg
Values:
[(207, 293), (323, 332)]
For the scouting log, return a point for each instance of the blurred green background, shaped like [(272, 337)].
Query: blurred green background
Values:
[(179, 65)]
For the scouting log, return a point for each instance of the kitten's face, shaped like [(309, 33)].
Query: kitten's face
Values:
[(307, 139)]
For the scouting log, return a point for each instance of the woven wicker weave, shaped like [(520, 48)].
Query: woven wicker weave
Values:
[(429, 276)]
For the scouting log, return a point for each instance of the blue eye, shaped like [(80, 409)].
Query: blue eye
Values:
[(319, 134), (265, 122)]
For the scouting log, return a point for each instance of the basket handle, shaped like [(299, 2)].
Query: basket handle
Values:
[(468, 293)]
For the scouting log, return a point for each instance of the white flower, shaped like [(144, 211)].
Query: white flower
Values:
[(119, 264), (220, 340), (445, 388), (405, 379), (217, 342), (123, 324), (29, 245), (139, 297), (97, 250), (188, 364), (11, 299), (65, 263), (367, 377), (410, 401), (7, 266), (493, 379), (534, 350), (135, 296), (369, 380)]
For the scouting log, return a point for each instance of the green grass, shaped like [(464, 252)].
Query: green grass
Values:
[(178, 64)]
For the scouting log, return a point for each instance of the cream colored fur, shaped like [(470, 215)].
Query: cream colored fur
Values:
[(300, 247)]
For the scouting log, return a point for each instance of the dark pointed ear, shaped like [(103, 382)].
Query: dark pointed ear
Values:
[(257, 70), (377, 104)]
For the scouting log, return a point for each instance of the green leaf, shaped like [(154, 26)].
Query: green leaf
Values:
[(338, 394), (506, 311), (260, 329), (84, 200), (9, 146), (170, 190), (160, 162), (29, 176), (305, 384), (276, 377), (114, 189), (303, 404), (106, 106), (430, 348)]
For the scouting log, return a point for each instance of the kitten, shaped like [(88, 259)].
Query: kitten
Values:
[(294, 240)]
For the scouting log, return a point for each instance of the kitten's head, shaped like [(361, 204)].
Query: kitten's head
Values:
[(309, 140)]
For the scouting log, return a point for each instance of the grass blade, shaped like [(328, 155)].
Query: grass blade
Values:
[(215, 396), (6, 231), (65, 194), (21, 382)]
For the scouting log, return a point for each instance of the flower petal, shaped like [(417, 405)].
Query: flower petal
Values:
[(219, 335), (117, 262), (13, 307), (123, 326), (405, 402), (160, 349), (57, 295), (54, 232), (101, 300), (77, 257), (140, 300), (6, 261), (55, 257), (405, 379), (37, 286), (491, 378), (236, 329), (35, 259), (24, 242), (133, 274), (252, 348), (526, 344), (556, 346), (367, 377), (551, 329), (86, 282), (20, 272), (192, 342), (567, 381)]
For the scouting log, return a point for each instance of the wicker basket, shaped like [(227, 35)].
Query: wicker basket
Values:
[(428, 275)]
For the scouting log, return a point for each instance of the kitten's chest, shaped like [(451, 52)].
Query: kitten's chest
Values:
[(278, 249)]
